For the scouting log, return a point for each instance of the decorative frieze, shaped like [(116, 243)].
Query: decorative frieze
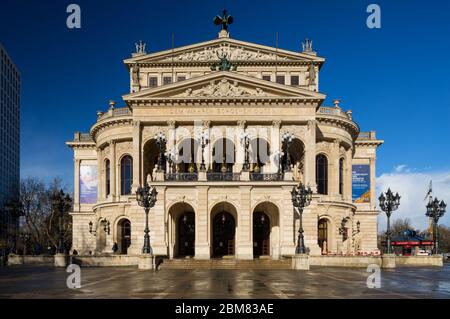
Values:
[(223, 88), (238, 53)]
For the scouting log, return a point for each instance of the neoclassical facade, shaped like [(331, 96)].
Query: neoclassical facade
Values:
[(224, 129)]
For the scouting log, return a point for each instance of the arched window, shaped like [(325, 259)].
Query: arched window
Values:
[(126, 175), (107, 178), (322, 174), (341, 176)]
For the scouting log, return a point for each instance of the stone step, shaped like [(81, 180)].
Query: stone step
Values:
[(225, 264)]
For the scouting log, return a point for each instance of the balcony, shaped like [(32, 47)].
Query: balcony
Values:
[(223, 176), (181, 177), (266, 177)]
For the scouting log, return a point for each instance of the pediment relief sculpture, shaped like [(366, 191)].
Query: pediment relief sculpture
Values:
[(223, 88), (233, 53)]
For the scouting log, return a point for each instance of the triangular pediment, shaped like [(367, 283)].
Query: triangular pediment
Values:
[(224, 84), (235, 50)]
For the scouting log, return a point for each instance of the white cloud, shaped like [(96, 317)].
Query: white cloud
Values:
[(400, 168), (412, 186)]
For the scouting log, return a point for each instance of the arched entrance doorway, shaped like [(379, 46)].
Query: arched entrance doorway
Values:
[(186, 235), (181, 225), (123, 236), (223, 234), (261, 234), (322, 236), (223, 230), (266, 230)]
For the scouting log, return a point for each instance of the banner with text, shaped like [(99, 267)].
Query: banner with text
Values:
[(361, 183)]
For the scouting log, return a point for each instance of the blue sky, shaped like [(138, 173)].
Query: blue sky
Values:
[(395, 79)]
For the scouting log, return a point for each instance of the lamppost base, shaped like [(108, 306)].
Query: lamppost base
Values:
[(388, 261), (300, 262), (147, 262), (60, 260)]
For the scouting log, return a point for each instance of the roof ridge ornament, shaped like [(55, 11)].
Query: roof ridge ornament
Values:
[(225, 20)]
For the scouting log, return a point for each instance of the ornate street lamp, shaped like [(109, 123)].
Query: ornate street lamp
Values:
[(388, 204), (435, 210), (61, 203), (91, 229), (204, 138), (301, 197), (286, 139), (161, 141), (106, 226), (146, 197), (343, 230), (245, 140)]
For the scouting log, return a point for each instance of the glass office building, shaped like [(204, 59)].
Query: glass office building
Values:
[(9, 144)]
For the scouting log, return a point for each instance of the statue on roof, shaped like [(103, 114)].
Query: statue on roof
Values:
[(140, 47), (224, 64)]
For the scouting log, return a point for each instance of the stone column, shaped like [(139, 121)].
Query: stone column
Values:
[(136, 155), (275, 145), (76, 186), (348, 175), (240, 147), (101, 173), (171, 141), (112, 169), (202, 224), (333, 169), (310, 156), (244, 236)]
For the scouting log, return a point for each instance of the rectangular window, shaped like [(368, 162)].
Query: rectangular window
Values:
[(167, 80), (266, 77), (280, 79), (153, 81), (181, 78), (295, 80)]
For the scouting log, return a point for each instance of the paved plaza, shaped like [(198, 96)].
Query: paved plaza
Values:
[(129, 282)]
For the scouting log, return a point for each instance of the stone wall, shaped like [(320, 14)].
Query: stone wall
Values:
[(344, 261), (417, 261)]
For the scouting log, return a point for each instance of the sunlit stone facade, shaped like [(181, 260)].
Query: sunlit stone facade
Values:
[(224, 209)]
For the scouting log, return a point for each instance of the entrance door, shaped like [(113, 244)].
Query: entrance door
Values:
[(186, 235), (125, 236), (261, 234), (322, 236), (224, 228)]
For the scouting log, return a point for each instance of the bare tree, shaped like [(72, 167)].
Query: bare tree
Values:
[(41, 217), (401, 225)]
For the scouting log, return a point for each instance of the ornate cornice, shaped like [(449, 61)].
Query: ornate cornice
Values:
[(99, 126), (342, 123), (235, 101), (81, 145)]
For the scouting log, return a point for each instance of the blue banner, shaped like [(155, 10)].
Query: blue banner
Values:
[(361, 183)]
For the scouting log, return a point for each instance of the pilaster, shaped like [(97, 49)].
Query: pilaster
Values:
[(76, 186), (202, 225), (136, 154), (244, 238), (113, 168), (310, 156)]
